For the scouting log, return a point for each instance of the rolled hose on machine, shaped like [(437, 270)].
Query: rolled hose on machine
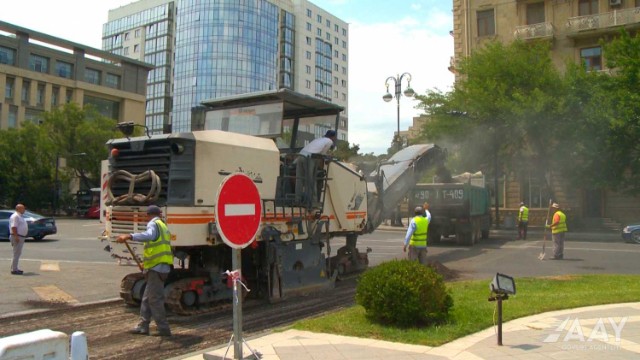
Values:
[(130, 197)]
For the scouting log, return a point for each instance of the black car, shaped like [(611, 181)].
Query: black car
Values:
[(39, 226)]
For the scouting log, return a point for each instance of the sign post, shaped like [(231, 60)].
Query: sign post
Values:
[(238, 212)]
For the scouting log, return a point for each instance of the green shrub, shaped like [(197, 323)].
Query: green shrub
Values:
[(404, 293)]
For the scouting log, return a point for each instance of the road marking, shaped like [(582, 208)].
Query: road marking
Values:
[(49, 266), (239, 209), (54, 294)]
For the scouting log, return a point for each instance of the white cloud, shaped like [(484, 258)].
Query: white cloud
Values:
[(378, 51)]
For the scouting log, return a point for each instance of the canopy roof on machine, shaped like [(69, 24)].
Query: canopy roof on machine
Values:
[(296, 105)]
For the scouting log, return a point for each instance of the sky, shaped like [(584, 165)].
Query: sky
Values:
[(386, 38)]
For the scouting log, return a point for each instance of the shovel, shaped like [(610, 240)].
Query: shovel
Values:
[(544, 241), (134, 256)]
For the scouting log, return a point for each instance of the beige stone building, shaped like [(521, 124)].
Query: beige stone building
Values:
[(574, 29), (39, 72)]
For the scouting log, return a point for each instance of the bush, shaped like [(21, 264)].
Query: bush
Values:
[(404, 293)]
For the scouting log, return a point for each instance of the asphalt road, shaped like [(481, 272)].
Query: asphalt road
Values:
[(71, 267)]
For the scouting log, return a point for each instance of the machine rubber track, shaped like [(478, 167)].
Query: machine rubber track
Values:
[(126, 288), (175, 304)]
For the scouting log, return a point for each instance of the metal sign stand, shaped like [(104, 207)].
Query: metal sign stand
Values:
[(236, 337)]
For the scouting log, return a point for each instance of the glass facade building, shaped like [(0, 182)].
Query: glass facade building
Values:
[(205, 49)]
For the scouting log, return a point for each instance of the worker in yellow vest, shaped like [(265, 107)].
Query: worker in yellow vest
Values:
[(157, 263), (558, 229), (416, 237), (523, 221)]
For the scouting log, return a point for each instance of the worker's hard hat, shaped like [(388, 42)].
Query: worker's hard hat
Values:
[(555, 206), (419, 210), (522, 203)]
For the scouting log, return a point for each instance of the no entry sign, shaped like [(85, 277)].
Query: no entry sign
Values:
[(238, 210)]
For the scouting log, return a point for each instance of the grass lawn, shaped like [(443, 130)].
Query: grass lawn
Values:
[(473, 312)]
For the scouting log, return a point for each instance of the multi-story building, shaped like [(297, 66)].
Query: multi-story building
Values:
[(206, 49), (574, 29), (39, 72)]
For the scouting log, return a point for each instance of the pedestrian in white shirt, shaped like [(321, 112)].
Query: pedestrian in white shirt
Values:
[(19, 230), (306, 167)]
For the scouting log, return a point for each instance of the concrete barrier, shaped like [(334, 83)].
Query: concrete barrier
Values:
[(36, 345)]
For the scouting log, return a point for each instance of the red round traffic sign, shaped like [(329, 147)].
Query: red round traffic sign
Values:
[(238, 210)]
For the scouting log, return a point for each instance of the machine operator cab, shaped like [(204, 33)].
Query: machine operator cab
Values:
[(292, 120)]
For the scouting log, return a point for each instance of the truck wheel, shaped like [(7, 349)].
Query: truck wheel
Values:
[(435, 238), (464, 238)]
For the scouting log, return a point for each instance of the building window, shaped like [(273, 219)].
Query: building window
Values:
[(336, 40), (344, 97), (68, 96), (92, 76), (126, 36), (320, 18), (308, 26), (308, 12), (335, 80), (344, 44), (126, 51), (13, 116), (344, 83), (137, 33), (591, 58), (344, 70), (308, 40), (328, 37), (587, 7), (112, 81), (308, 55), (344, 32), (308, 69), (328, 23), (39, 63), (54, 96), (40, 95), (136, 49), (336, 53), (486, 23), (344, 57), (319, 32), (308, 84), (26, 87), (7, 56), (64, 69), (335, 94), (8, 87), (535, 13)]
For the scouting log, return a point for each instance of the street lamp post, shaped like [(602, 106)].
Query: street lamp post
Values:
[(408, 92)]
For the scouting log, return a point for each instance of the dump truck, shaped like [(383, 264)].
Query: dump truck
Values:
[(457, 209)]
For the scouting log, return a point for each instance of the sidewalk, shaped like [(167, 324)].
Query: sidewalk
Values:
[(589, 333)]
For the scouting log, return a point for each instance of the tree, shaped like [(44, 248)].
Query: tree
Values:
[(505, 104), (79, 136), (28, 155)]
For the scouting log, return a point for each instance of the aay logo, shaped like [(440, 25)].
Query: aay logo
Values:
[(602, 331)]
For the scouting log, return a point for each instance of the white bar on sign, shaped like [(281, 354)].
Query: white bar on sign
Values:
[(239, 209)]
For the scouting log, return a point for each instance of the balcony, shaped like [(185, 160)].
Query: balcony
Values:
[(534, 31), (603, 23)]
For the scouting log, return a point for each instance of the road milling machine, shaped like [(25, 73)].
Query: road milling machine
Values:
[(259, 135)]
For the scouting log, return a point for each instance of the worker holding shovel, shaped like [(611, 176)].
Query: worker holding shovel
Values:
[(558, 228)]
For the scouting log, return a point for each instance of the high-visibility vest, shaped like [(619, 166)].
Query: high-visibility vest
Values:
[(158, 251), (524, 214), (562, 224), (419, 237)]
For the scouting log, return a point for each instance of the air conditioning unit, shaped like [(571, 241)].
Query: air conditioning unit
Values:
[(615, 2)]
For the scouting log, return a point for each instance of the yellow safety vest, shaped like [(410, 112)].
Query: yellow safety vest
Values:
[(524, 214), (158, 251), (419, 237), (562, 225)]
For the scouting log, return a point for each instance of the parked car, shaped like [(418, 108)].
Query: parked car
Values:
[(93, 212), (39, 226), (631, 233)]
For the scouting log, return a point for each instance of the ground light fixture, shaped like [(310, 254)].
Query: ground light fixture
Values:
[(501, 287)]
